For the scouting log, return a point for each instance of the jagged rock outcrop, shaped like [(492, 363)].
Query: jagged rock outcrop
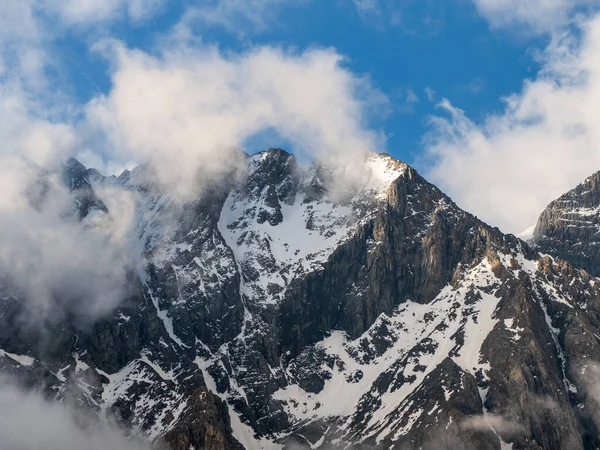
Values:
[(85, 201), (452, 414), (570, 226), (204, 424)]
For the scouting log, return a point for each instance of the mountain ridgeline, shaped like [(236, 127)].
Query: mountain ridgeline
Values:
[(268, 313), (570, 226)]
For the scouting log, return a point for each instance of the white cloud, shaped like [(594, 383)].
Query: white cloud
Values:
[(31, 422), (538, 16), (21, 53), (430, 93), (29, 140), (239, 16), (499, 424), (408, 100), (56, 267), (74, 12), (189, 107), (182, 110), (475, 86), (509, 167), (368, 8), (29, 29), (53, 263)]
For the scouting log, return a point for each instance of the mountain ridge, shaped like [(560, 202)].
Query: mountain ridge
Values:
[(377, 298), (569, 227)]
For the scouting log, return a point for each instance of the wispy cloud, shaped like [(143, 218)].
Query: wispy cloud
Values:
[(73, 12), (499, 424), (532, 16), (30, 422), (422, 18), (430, 93), (475, 86), (198, 104), (369, 8), (238, 16), (407, 100), (509, 167)]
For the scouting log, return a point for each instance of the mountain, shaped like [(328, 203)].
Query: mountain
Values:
[(570, 226), (86, 203), (279, 310)]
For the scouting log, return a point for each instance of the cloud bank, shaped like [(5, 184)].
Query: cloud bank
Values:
[(76, 12), (31, 422), (531, 16), (545, 142), (190, 107), (48, 259)]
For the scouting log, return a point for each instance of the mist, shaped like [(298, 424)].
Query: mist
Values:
[(29, 421), (187, 110)]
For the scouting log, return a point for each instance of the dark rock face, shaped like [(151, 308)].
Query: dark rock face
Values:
[(457, 425), (204, 424), (527, 384), (76, 179), (269, 313), (409, 250), (570, 226)]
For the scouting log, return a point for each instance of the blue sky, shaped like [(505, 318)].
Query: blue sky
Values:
[(495, 101), (437, 50)]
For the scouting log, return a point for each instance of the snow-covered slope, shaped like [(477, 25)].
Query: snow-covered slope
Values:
[(282, 223)]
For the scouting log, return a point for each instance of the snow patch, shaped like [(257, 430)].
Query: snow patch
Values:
[(23, 360)]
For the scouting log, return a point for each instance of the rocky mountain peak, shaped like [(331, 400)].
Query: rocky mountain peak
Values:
[(272, 178), (570, 226), (75, 174), (76, 178)]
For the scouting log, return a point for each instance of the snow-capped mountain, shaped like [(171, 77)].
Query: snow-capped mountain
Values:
[(272, 313), (570, 226)]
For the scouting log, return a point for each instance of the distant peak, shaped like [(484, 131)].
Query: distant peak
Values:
[(273, 159), (276, 153), (73, 163), (386, 156), (74, 174), (385, 169), (593, 179)]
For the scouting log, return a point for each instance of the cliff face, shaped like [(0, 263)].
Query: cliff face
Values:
[(271, 312), (570, 226)]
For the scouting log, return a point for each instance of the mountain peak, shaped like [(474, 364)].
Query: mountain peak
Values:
[(275, 152), (385, 170), (76, 178), (570, 226), (74, 174)]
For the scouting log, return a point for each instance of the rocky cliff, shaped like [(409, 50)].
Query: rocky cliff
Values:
[(570, 226)]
